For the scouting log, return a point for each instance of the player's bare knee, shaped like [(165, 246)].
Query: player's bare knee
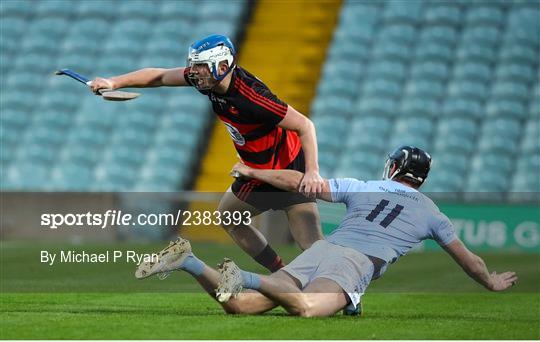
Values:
[(311, 311), (301, 308), (305, 312)]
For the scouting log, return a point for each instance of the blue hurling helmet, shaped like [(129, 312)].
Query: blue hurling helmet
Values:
[(211, 51)]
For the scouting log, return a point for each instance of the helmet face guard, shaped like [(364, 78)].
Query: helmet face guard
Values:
[(408, 162), (392, 167), (203, 53), (204, 81)]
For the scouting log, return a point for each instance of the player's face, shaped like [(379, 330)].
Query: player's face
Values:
[(202, 76)]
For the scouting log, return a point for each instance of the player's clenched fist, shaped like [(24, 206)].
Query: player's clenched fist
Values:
[(101, 83), (240, 169), (311, 184)]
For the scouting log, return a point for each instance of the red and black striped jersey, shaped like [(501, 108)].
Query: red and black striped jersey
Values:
[(251, 113)]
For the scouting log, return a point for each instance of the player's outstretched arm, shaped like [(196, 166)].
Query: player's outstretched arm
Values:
[(143, 78), (288, 180), (476, 268)]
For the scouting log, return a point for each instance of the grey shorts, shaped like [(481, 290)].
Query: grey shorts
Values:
[(350, 269)]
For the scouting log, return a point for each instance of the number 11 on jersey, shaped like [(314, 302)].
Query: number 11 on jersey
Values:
[(388, 218)]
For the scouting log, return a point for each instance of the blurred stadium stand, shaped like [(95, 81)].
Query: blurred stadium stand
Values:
[(57, 137), (458, 78)]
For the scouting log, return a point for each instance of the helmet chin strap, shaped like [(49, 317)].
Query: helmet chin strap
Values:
[(222, 77)]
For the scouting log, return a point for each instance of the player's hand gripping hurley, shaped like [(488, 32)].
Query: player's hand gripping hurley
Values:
[(107, 94)]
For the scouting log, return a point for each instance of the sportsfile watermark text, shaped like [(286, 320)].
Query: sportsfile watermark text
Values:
[(118, 218)]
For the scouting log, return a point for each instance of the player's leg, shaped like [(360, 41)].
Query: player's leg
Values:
[(302, 212), (178, 256), (279, 287), (247, 302), (326, 272), (249, 238), (304, 223), (283, 287), (323, 297), (351, 270)]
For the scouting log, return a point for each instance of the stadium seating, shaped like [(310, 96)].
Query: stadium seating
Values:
[(64, 139), (461, 79)]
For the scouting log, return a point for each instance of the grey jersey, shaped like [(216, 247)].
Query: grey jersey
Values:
[(385, 219)]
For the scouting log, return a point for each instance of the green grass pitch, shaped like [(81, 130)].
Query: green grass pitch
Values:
[(423, 296)]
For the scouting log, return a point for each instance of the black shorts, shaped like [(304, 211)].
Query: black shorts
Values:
[(264, 196)]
